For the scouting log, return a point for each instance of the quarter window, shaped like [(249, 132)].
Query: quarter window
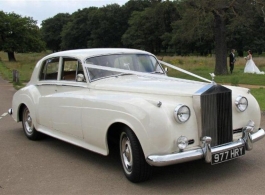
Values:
[(50, 69)]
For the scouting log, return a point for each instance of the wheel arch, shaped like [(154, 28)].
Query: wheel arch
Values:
[(141, 122), (134, 163), (114, 132), (25, 100), (20, 111), (113, 135)]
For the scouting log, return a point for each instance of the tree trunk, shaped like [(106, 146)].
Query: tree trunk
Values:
[(220, 46), (11, 56)]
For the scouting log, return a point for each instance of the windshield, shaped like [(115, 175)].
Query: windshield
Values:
[(108, 65)]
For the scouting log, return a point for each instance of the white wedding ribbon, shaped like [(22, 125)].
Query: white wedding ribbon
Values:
[(147, 74)]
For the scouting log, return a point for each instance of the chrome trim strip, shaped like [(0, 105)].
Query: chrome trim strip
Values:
[(238, 143), (170, 159), (203, 89), (206, 151)]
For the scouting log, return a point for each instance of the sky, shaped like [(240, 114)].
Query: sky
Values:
[(43, 9)]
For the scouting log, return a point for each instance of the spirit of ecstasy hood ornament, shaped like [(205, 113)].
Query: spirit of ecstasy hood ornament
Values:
[(212, 75)]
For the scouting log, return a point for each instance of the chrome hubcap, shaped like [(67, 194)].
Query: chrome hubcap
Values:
[(126, 153), (27, 122)]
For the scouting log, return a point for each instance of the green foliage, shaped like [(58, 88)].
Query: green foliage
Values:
[(51, 30), (106, 27), (148, 27), (182, 27), (19, 34), (76, 33), (206, 25)]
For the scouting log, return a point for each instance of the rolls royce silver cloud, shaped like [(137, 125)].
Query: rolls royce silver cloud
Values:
[(99, 98)]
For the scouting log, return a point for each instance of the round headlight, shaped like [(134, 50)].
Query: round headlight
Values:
[(182, 142), (241, 103), (182, 113)]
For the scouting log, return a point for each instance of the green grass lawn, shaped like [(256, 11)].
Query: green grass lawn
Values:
[(201, 66), (259, 94), (25, 64)]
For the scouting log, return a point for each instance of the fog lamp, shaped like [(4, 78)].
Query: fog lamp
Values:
[(182, 142)]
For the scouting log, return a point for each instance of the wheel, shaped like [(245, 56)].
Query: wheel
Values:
[(28, 126), (134, 164)]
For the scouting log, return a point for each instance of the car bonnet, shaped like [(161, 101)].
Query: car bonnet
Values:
[(142, 84)]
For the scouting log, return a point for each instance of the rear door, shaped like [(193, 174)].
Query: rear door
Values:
[(46, 88), (67, 102)]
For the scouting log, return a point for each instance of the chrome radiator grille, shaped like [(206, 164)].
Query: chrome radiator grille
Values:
[(216, 114)]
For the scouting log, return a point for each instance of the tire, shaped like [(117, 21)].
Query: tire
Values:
[(133, 161), (28, 126)]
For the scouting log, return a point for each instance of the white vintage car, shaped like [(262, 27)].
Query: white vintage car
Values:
[(95, 97)]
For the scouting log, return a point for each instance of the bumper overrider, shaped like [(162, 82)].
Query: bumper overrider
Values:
[(10, 111), (229, 151)]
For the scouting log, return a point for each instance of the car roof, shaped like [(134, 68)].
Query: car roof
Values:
[(86, 53)]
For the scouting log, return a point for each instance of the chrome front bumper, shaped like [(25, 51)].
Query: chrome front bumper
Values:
[(206, 151)]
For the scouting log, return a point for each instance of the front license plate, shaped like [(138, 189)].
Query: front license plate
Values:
[(227, 155)]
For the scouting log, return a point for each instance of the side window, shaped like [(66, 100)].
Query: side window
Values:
[(49, 70), (72, 70)]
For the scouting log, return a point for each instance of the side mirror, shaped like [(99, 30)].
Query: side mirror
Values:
[(166, 69), (80, 78)]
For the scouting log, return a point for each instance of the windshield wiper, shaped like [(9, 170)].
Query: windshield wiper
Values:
[(157, 72), (124, 74)]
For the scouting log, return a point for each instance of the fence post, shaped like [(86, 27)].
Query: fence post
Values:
[(15, 76)]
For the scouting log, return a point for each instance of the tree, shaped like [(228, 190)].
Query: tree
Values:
[(134, 5), (245, 37), (106, 25), (110, 22), (51, 30), (19, 34), (224, 15), (147, 27), (191, 38), (76, 33)]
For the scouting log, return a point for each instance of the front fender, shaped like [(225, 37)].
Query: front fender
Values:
[(240, 118), (154, 125), (160, 130)]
